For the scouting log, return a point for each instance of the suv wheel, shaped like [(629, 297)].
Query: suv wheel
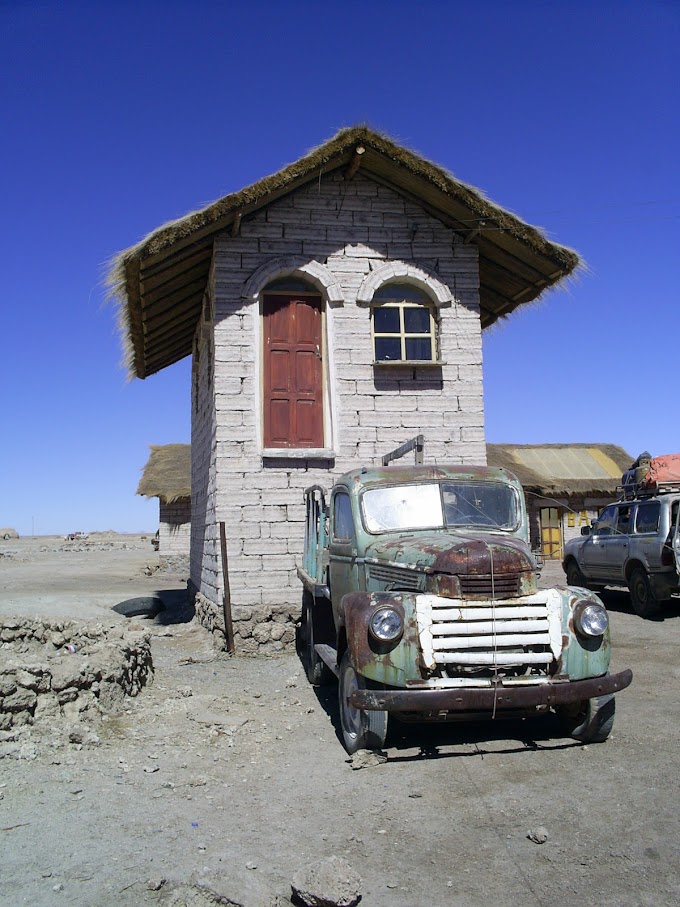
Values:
[(574, 575), (645, 603)]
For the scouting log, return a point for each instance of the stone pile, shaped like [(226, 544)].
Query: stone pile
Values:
[(51, 671)]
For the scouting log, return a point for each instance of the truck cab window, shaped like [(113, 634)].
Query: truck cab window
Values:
[(343, 524)]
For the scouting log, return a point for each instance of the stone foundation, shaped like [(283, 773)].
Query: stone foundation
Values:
[(258, 630), (51, 671)]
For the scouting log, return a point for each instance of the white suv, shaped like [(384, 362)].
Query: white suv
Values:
[(634, 543)]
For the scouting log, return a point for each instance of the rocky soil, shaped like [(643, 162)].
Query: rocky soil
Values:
[(224, 782)]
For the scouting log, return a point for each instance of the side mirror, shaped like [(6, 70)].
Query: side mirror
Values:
[(585, 530)]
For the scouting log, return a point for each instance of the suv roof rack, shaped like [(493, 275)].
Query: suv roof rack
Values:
[(636, 490)]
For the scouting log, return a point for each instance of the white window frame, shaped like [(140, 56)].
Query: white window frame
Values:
[(402, 304)]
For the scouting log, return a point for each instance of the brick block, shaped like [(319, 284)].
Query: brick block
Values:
[(281, 246)]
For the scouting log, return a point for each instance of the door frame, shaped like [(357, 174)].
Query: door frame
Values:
[(328, 451)]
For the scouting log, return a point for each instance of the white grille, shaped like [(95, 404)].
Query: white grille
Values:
[(512, 633)]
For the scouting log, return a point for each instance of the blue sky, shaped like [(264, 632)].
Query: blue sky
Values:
[(118, 117)]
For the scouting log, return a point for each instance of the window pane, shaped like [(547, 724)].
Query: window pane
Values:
[(492, 504), (343, 524), (416, 320), (623, 521), (386, 320), (387, 349), (647, 519), (400, 291), (403, 507), (418, 348)]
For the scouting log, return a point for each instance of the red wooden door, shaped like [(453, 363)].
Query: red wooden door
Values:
[(293, 374)]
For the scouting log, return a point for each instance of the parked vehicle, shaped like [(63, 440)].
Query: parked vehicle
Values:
[(634, 542), (76, 536), (420, 596)]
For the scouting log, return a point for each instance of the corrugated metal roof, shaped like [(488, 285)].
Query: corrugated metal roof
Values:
[(568, 462), (566, 469)]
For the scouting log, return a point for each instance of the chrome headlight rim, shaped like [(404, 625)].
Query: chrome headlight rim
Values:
[(591, 619), (386, 625)]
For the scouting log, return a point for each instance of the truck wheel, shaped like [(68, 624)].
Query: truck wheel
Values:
[(645, 603), (317, 671), (594, 721), (574, 575), (361, 729)]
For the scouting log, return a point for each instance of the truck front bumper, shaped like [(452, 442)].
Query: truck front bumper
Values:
[(498, 697)]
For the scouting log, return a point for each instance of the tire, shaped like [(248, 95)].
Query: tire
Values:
[(317, 671), (361, 729), (593, 721), (574, 575), (144, 606), (642, 597)]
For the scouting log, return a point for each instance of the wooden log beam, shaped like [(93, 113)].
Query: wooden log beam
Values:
[(355, 163)]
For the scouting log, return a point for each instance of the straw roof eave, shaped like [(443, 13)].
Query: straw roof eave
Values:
[(167, 474), (507, 245)]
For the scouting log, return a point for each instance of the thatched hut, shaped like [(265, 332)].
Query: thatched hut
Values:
[(566, 485), (167, 476), (333, 310)]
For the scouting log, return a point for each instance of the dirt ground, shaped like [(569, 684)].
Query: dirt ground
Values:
[(226, 776)]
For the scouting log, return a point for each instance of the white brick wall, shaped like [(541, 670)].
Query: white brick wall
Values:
[(350, 228), (174, 530)]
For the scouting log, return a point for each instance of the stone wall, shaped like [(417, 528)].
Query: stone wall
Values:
[(349, 231), (59, 672)]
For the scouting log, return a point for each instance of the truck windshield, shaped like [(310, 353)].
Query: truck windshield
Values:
[(489, 505)]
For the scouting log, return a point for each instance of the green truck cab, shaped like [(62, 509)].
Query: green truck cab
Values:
[(420, 597)]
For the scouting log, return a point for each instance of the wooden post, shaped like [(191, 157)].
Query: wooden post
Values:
[(226, 601)]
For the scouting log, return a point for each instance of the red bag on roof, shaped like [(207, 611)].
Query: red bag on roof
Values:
[(663, 469)]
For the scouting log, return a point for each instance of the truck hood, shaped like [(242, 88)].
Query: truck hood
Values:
[(450, 553)]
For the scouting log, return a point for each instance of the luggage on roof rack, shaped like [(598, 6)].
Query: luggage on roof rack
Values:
[(651, 475)]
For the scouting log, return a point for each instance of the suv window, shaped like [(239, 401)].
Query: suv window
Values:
[(605, 521), (647, 518), (624, 523)]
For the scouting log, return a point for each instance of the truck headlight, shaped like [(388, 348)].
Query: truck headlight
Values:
[(591, 619), (386, 624)]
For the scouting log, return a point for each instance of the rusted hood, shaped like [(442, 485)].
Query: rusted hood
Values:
[(473, 553)]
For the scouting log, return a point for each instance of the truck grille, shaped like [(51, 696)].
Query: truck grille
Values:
[(504, 585), (396, 577), (524, 633)]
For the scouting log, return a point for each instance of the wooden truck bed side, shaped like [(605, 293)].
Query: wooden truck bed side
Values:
[(313, 572)]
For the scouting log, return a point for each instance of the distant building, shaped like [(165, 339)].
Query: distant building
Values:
[(167, 476), (565, 485)]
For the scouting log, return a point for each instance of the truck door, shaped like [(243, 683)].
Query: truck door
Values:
[(342, 568)]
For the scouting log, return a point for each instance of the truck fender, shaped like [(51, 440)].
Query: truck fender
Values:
[(389, 663)]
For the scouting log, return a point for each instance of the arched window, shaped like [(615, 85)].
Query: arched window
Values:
[(403, 324), (293, 365)]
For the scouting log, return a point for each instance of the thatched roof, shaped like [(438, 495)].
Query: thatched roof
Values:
[(563, 469), (167, 474), (160, 281)]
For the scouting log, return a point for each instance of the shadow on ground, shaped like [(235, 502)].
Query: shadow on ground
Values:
[(164, 607), (618, 599), (438, 740)]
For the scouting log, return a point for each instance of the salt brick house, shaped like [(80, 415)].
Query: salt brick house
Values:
[(167, 476), (333, 310)]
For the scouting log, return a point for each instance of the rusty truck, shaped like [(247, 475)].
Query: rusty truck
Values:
[(420, 596)]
